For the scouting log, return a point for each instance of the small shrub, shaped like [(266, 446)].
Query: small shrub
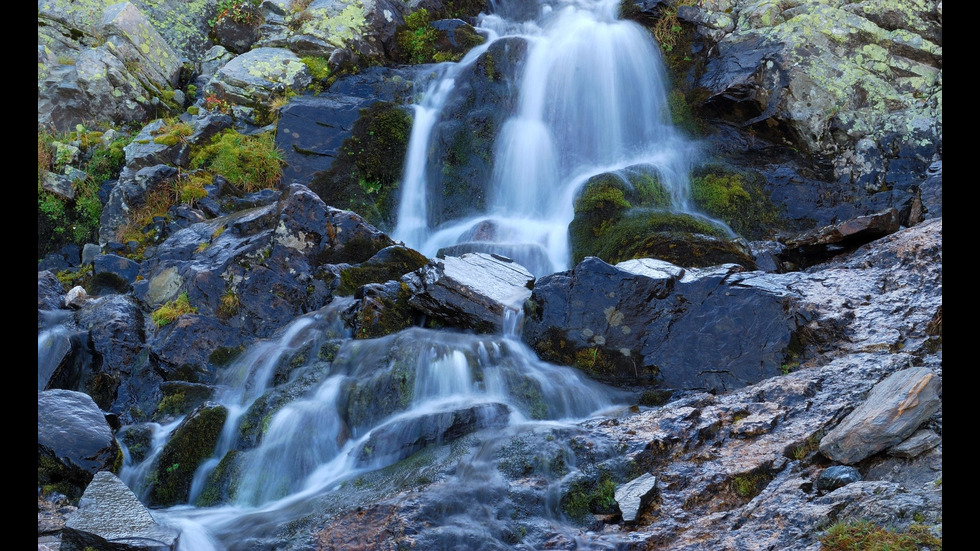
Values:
[(172, 134), (250, 162), (229, 304), (172, 310), (318, 66)]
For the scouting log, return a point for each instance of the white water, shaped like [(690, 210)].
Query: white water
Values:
[(591, 100)]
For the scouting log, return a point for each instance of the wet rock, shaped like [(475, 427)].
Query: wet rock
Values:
[(632, 496), (49, 292), (401, 438), (917, 444), (471, 291), (110, 516), (821, 243), (892, 412), (380, 309), (112, 272), (191, 443), (931, 191), (311, 130), (179, 362), (74, 441), (474, 113), (635, 322), (115, 325), (836, 477), (389, 264)]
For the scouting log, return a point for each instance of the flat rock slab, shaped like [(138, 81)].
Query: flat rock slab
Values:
[(470, 291), (110, 516), (892, 412)]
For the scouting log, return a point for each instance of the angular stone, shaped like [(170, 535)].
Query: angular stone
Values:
[(470, 291), (256, 77), (892, 412), (837, 476), (917, 444), (853, 232), (633, 495), (110, 516), (134, 38)]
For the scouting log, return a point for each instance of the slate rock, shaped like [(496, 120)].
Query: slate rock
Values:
[(111, 517), (110, 270), (472, 291), (917, 444), (893, 410)]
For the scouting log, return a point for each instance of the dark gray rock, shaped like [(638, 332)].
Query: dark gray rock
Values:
[(932, 191), (74, 440), (917, 444), (179, 362), (473, 291), (632, 496), (114, 271), (192, 442), (837, 476), (50, 293), (110, 516), (129, 194), (857, 231), (892, 412), (646, 321)]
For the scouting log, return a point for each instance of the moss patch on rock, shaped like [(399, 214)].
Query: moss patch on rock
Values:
[(738, 198), (192, 442), (365, 176)]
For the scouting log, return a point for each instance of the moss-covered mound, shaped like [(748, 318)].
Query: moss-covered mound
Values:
[(365, 176), (192, 442), (390, 263)]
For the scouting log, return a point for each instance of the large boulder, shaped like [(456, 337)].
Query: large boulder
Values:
[(101, 62), (116, 337), (651, 322), (110, 516), (74, 441), (254, 79)]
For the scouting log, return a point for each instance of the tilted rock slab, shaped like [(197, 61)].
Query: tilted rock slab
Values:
[(74, 440), (110, 516), (893, 411), (470, 291)]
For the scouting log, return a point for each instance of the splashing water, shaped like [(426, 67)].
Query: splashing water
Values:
[(591, 100)]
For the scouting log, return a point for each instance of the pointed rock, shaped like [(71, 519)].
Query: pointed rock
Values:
[(634, 495), (109, 516)]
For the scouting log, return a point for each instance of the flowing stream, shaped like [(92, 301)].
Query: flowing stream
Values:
[(318, 421)]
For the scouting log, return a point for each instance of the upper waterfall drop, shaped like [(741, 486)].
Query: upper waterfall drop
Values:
[(590, 99)]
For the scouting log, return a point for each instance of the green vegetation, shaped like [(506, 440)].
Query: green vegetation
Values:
[(810, 445), (243, 12), (61, 220), (319, 67), (417, 38), (173, 133), (229, 304), (192, 442), (737, 198), (249, 162), (590, 495), (365, 176), (864, 535), (172, 310)]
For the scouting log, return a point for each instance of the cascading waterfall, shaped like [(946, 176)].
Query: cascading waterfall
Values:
[(591, 100)]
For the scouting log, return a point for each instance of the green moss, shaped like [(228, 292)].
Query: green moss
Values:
[(250, 162), (864, 535), (172, 310), (417, 38), (220, 486), (590, 495), (365, 176), (737, 198), (192, 442), (319, 67)]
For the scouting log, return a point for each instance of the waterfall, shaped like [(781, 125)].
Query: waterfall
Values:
[(590, 100)]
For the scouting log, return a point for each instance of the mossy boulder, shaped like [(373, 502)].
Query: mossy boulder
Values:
[(366, 174), (249, 83), (621, 216), (381, 309), (192, 442), (590, 495), (424, 40), (389, 264)]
